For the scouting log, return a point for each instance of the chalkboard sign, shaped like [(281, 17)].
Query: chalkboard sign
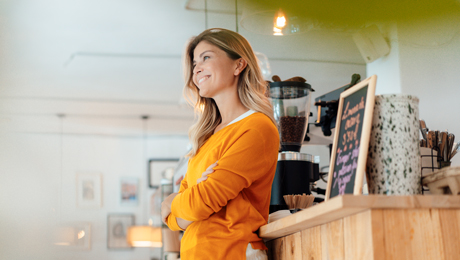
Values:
[(351, 140)]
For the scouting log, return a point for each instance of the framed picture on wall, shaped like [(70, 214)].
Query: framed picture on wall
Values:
[(129, 191), (117, 229), (89, 190), (160, 168)]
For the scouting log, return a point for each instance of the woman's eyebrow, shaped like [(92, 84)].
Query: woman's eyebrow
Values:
[(201, 55)]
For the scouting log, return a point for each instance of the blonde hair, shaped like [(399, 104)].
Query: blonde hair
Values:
[(251, 85)]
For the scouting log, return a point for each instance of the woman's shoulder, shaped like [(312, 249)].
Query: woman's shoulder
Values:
[(260, 127), (259, 121), (259, 118)]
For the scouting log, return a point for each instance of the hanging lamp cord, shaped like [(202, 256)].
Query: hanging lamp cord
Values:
[(206, 14), (144, 120), (236, 15), (145, 130), (61, 152)]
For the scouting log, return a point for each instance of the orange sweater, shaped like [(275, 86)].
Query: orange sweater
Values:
[(230, 206)]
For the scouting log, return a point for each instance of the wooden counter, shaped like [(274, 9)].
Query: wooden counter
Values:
[(369, 227)]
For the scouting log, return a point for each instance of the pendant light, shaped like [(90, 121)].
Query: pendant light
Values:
[(144, 235), (272, 19), (68, 235), (279, 22), (64, 235)]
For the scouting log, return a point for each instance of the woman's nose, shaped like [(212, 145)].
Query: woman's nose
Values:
[(197, 69)]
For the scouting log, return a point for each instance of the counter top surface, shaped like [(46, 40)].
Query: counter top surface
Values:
[(342, 206)]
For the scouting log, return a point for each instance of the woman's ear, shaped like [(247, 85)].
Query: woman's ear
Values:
[(240, 66)]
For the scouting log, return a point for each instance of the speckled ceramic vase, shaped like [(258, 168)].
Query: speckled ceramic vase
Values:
[(393, 163)]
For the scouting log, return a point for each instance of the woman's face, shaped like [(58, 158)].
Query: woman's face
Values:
[(213, 71)]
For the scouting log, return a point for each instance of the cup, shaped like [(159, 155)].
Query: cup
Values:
[(393, 163)]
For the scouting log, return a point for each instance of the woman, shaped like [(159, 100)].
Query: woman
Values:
[(225, 195)]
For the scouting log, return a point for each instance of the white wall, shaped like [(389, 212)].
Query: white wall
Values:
[(30, 192), (424, 61), (387, 68), (430, 66)]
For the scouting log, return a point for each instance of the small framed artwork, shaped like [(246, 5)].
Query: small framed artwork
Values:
[(117, 229), (160, 168), (351, 139), (89, 190), (129, 191)]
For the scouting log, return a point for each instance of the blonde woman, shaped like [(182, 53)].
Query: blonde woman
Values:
[(225, 195)]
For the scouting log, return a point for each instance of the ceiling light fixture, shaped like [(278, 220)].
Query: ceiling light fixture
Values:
[(273, 19), (279, 22)]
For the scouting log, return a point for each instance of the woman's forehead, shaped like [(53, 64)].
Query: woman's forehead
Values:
[(205, 46)]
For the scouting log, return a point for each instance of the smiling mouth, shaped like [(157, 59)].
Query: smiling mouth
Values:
[(203, 79)]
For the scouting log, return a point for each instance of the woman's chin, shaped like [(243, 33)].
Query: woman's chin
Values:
[(204, 94)]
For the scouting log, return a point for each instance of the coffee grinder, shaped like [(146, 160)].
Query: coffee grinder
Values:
[(295, 171)]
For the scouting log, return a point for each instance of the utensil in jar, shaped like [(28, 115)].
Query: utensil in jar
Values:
[(431, 139), (423, 129), (437, 139), (455, 150), (451, 139), (443, 146)]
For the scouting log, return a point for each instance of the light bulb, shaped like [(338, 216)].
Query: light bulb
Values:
[(280, 20), (81, 234)]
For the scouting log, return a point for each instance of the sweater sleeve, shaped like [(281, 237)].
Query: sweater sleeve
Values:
[(241, 164), (171, 221)]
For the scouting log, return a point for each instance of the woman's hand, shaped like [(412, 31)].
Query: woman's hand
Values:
[(166, 206), (166, 210), (205, 174)]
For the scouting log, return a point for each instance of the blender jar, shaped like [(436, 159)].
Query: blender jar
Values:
[(291, 107)]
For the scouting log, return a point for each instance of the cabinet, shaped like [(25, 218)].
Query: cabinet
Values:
[(369, 227)]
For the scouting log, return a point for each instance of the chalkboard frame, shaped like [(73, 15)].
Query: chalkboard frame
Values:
[(365, 134)]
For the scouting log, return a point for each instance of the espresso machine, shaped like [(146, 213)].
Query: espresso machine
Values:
[(295, 171)]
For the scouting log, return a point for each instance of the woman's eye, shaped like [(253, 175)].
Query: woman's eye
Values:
[(205, 57)]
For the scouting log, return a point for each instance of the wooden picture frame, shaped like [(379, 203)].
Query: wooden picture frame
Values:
[(351, 139), (117, 229), (89, 190), (157, 168)]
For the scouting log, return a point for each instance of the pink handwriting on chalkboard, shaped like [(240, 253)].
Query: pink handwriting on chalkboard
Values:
[(344, 174), (353, 121), (348, 151), (351, 111), (346, 162)]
